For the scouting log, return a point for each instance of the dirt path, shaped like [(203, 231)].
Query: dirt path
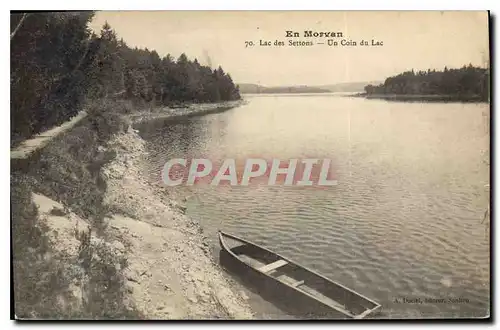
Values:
[(26, 148)]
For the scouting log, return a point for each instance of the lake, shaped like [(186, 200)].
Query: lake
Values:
[(404, 220)]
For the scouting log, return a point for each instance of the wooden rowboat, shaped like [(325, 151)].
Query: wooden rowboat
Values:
[(293, 287)]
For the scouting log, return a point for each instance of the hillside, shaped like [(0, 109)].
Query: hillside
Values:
[(257, 89), (342, 87), (349, 87)]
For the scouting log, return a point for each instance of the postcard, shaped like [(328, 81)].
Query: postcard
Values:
[(250, 165)]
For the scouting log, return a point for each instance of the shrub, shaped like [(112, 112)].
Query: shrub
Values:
[(69, 168), (39, 281)]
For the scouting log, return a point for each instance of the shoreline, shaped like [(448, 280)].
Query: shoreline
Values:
[(422, 98), (180, 268), (183, 111), (120, 246), (170, 257)]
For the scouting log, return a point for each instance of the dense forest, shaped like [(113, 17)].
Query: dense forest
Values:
[(468, 82), (58, 63)]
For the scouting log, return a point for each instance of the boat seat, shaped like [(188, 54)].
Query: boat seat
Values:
[(290, 281), (272, 266)]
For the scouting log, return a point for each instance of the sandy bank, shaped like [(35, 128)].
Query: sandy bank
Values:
[(170, 272)]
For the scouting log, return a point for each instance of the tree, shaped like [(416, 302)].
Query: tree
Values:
[(466, 82), (51, 55), (57, 62)]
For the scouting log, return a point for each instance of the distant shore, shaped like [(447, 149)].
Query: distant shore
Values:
[(184, 110), (423, 98)]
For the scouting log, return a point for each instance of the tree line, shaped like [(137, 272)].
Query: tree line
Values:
[(57, 63), (465, 82)]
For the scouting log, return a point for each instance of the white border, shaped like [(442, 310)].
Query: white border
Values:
[(191, 5), (257, 5)]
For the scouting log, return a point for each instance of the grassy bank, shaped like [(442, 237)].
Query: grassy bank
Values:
[(82, 230)]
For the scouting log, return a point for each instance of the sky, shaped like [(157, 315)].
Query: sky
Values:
[(411, 40)]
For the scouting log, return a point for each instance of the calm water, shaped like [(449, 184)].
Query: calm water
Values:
[(404, 220)]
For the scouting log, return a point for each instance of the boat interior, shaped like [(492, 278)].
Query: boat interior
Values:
[(328, 292)]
